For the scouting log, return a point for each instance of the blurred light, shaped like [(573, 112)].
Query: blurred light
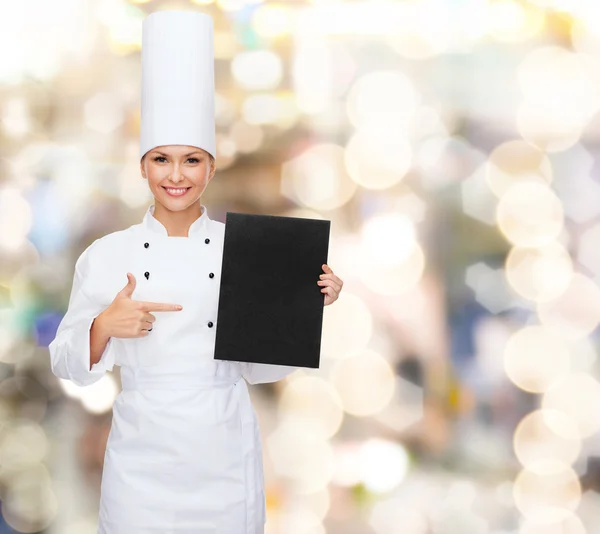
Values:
[(273, 20), (270, 109), (16, 119), (588, 253), (552, 75), (226, 151), (347, 471), (393, 279), (378, 159), (124, 22), (442, 160), (104, 112), (317, 178), (391, 261), (406, 407), (29, 504), (257, 69), (535, 359), (225, 110), (513, 162), (383, 100), (578, 396), (134, 190), (547, 498), (387, 514), (570, 524), (490, 287), (365, 383), (530, 214), (312, 74), (98, 397), (562, 92), (16, 218), (231, 5), (552, 130), (383, 464), (247, 137), (478, 201), (576, 312), (24, 444), (388, 239), (511, 21), (300, 520), (317, 502), (346, 328), (539, 274), (539, 448), (314, 404), (299, 455)]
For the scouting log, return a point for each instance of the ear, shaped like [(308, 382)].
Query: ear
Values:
[(142, 169), (213, 168)]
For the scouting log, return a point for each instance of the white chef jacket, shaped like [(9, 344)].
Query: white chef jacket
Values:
[(184, 453)]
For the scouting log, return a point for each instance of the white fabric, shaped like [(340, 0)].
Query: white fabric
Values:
[(178, 81), (184, 452)]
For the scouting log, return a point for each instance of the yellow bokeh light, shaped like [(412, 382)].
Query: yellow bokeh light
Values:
[(511, 21), (530, 214), (513, 162), (314, 404), (383, 100), (317, 178), (547, 498), (378, 159), (365, 383), (539, 274), (576, 312), (539, 448), (571, 524), (535, 359), (578, 396)]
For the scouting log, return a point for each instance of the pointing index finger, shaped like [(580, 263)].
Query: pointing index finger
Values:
[(160, 306)]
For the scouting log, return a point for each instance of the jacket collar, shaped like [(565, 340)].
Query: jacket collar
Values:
[(152, 224)]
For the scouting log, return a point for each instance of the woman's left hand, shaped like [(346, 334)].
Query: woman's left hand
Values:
[(332, 285)]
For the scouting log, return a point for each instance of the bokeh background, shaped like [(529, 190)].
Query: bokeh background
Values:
[(451, 143)]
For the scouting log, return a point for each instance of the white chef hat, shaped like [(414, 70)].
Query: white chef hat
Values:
[(178, 88)]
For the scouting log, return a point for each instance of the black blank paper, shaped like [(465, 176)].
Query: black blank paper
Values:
[(270, 306)]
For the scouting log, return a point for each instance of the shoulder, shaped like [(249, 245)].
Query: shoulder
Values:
[(217, 227), (109, 245)]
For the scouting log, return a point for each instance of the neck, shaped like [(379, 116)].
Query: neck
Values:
[(177, 223)]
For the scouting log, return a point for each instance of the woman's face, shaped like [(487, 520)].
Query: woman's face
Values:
[(177, 167)]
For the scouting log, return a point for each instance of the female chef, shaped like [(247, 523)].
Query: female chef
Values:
[(184, 453)]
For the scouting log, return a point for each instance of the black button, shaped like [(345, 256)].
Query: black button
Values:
[(150, 329), (210, 325), (147, 275), (146, 245), (211, 275), (207, 241)]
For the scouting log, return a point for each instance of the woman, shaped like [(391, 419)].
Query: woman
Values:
[(184, 452)]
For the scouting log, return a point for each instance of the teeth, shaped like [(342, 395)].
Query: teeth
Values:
[(175, 191)]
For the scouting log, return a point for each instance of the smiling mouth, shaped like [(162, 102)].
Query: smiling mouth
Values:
[(182, 190)]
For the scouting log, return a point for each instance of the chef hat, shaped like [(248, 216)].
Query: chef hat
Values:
[(178, 88)]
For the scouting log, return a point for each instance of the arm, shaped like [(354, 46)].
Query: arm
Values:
[(77, 344), (259, 373)]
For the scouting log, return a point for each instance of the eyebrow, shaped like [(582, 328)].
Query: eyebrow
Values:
[(186, 155)]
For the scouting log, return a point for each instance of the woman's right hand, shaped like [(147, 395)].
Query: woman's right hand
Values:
[(128, 318)]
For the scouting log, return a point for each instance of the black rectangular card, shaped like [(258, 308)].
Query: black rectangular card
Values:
[(270, 306)]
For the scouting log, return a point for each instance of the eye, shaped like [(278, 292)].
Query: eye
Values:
[(158, 157), (196, 160)]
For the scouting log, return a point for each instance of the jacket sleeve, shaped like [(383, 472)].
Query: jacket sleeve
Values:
[(70, 349), (259, 373)]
